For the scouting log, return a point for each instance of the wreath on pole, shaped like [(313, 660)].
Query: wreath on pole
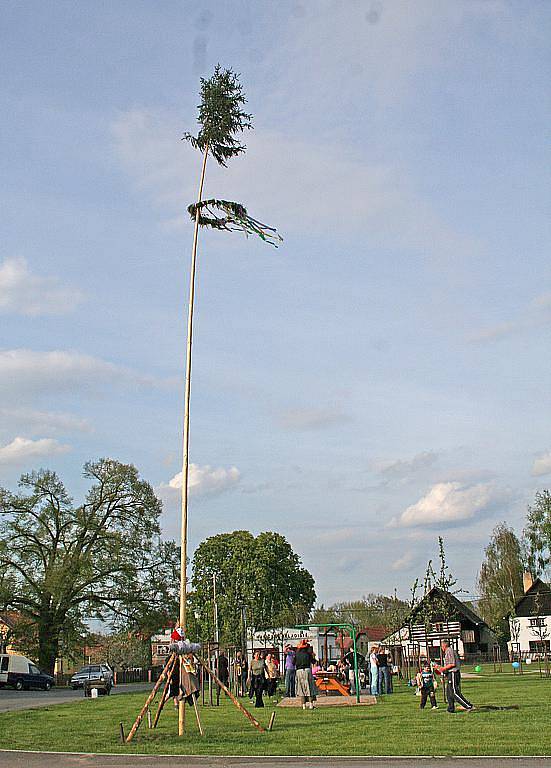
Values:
[(233, 217)]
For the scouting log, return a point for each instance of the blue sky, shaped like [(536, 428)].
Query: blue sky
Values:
[(379, 380)]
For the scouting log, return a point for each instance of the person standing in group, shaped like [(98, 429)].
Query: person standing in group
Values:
[(352, 680), (272, 674), (244, 672), (257, 679), (384, 671), (223, 668), (239, 666), (374, 671), (342, 671), (290, 672), (304, 680), (451, 673)]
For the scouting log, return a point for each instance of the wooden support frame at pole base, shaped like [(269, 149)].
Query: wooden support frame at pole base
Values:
[(166, 689), (165, 676), (149, 699)]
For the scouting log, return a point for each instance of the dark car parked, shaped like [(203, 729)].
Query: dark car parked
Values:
[(20, 673)]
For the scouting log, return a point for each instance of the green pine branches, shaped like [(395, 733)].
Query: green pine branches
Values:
[(221, 116)]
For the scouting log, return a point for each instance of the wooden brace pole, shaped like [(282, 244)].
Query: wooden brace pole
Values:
[(235, 701), (149, 700), (197, 715), (164, 697)]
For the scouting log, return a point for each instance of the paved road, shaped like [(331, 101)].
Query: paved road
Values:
[(11, 700), (52, 760)]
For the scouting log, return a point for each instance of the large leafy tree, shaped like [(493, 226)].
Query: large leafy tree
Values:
[(500, 578), (126, 649), (537, 533), (261, 574), (61, 563)]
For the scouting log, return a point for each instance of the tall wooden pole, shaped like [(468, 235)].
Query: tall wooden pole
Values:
[(185, 452)]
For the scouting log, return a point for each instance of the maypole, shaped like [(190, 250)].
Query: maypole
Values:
[(220, 119), (185, 451)]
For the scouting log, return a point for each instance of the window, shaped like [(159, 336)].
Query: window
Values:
[(4, 663), (539, 621), (539, 646), (33, 670)]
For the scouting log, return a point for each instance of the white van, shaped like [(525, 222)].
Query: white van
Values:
[(20, 673)]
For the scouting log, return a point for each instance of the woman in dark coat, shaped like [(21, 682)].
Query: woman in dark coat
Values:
[(258, 678), (305, 684)]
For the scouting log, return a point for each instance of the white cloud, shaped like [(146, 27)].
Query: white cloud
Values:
[(20, 449), (311, 418), (444, 503), (542, 465), (202, 481), (334, 536), (536, 314), (494, 332), (401, 469), (27, 369), (402, 563), (24, 293), (42, 421)]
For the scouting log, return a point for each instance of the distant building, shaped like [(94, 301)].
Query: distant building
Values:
[(466, 631), (8, 623), (366, 638), (159, 647), (530, 621)]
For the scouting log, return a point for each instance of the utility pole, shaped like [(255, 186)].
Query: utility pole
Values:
[(216, 629), (216, 637), (243, 628)]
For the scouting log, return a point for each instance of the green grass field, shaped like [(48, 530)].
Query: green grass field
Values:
[(395, 726)]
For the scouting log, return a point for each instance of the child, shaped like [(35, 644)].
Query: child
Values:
[(426, 685)]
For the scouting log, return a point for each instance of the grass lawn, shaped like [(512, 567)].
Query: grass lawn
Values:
[(395, 726)]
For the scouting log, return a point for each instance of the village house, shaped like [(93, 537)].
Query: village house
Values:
[(366, 638), (440, 616), (7, 626), (159, 647), (530, 620)]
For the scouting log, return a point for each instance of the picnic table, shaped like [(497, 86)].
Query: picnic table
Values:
[(328, 682)]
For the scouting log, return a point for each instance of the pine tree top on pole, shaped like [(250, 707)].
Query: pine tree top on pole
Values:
[(221, 116)]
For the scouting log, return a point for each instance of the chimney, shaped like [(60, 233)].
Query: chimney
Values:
[(527, 581)]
